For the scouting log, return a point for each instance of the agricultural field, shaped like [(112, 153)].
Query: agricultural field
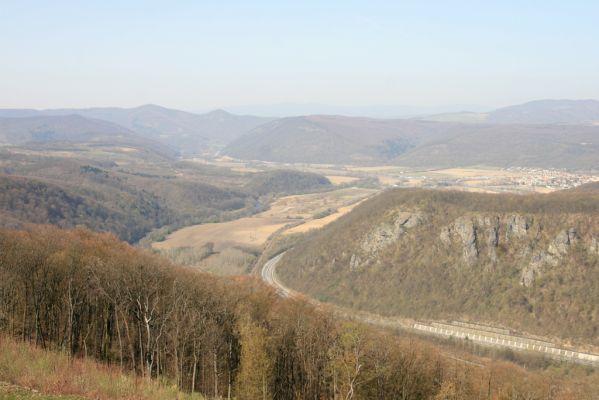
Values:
[(306, 206), (341, 179), (230, 248), (473, 172), (317, 223), (247, 232)]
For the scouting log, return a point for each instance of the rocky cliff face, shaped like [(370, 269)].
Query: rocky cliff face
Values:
[(479, 238), (594, 245), (472, 233), (542, 259), (463, 231), (530, 261), (385, 234), (521, 237)]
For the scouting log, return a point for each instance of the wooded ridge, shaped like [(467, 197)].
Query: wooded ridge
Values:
[(526, 261), (88, 294)]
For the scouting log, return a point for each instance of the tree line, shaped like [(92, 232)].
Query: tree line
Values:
[(91, 295)]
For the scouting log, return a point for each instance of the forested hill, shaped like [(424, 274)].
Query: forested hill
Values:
[(530, 262), (187, 132), (286, 182), (90, 295), (134, 201), (417, 143), (25, 200), (77, 129)]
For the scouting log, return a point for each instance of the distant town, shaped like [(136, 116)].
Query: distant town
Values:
[(550, 178), (516, 179)]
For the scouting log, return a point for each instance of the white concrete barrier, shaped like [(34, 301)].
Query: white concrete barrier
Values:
[(492, 338)]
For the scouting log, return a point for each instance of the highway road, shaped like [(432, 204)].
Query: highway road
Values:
[(269, 276), (480, 334)]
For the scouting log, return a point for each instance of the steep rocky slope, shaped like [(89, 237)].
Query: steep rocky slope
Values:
[(530, 262)]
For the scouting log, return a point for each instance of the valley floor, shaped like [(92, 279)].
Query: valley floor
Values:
[(289, 214)]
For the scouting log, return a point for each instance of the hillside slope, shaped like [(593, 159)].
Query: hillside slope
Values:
[(91, 297), (334, 139), (129, 199), (188, 132), (108, 201), (529, 262), (133, 197), (29, 372), (344, 140), (545, 146), (573, 112), (538, 112), (129, 215), (286, 182), (43, 130)]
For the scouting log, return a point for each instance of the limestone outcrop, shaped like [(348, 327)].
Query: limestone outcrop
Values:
[(594, 245), (517, 226), (388, 232), (557, 249), (354, 262)]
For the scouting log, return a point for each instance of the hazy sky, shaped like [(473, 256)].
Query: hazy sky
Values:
[(206, 54)]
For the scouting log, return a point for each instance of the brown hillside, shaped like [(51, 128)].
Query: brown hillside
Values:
[(529, 262)]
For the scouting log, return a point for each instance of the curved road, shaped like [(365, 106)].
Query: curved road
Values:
[(269, 276), (480, 336)]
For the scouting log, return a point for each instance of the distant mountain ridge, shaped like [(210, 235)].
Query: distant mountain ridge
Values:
[(544, 133), (538, 112), (190, 133), (331, 139), (415, 143), (572, 112), (371, 111), (73, 129)]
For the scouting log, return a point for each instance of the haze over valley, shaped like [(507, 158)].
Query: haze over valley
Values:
[(381, 200)]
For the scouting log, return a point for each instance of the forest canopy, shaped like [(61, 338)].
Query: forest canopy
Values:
[(89, 294)]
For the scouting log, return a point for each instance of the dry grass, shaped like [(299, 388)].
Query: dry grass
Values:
[(54, 373), (127, 149), (15, 392), (306, 205), (225, 162), (253, 232), (319, 223), (416, 182), (341, 179), (249, 232), (380, 168), (230, 261), (471, 189), (473, 172), (245, 169), (388, 180), (542, 189)]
